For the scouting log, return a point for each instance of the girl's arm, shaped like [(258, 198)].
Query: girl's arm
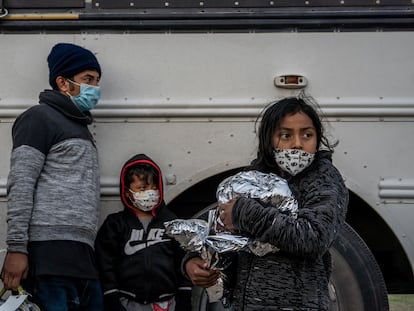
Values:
[(321, 213)]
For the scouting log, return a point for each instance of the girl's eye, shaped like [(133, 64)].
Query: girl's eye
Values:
[(284, 136), (308, 135)]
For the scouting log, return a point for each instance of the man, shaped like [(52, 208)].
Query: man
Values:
[(53, 189)]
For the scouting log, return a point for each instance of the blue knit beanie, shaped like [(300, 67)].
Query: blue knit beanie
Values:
[(67, 60)]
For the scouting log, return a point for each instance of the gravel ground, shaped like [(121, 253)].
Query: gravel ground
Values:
[(401, 302)]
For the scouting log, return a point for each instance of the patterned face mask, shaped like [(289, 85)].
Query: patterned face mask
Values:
[(145, 200), (293, 161)]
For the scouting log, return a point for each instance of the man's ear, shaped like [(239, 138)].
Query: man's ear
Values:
[(62, 84)]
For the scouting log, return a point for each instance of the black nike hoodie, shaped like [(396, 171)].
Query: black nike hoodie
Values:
[(142, 265)]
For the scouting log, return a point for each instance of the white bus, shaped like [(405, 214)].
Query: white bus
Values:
[(184, 81)]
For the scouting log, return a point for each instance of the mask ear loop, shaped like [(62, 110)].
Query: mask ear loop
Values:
[(128, 192), (73, 82)]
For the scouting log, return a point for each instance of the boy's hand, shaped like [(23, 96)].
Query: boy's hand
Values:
[(199, 273)]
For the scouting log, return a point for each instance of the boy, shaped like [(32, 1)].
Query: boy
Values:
[(139, 264)]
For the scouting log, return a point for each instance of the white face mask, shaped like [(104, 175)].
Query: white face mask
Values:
[(145, 200), (293, 161)]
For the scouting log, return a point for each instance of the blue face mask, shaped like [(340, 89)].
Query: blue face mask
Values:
[(88, 96)]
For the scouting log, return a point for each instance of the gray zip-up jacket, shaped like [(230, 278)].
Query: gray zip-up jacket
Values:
[(53, 185), (296, 277)]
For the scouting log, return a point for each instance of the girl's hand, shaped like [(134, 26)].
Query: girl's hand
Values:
[(225, 212)]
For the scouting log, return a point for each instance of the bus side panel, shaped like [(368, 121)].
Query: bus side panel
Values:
[(190, 101)]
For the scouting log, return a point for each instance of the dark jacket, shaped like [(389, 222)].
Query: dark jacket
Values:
[(296, 277), (142, 265)]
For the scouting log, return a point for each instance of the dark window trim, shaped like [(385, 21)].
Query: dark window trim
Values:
[(229, 19), (43, 4)]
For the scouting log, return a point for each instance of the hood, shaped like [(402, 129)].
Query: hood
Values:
[(324, 154), (135, 160), (65, 105)]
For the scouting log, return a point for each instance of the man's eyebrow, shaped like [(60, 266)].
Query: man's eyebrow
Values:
[(89, 76)]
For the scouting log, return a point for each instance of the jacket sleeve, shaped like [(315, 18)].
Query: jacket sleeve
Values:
[(27, 159), (108, 248), (322, 208), (26, 166)]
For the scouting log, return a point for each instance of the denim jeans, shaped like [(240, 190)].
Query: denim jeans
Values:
[(55, 293)]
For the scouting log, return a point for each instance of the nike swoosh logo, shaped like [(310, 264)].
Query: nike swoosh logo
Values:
[(131, 247), (136, 243)]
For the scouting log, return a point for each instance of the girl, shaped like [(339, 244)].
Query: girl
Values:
[(292, 145)]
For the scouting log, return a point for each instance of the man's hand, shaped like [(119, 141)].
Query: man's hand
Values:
[(15, 268)]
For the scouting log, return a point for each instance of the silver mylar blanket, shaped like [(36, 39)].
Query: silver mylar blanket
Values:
[(196, 235), (269, 189)]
